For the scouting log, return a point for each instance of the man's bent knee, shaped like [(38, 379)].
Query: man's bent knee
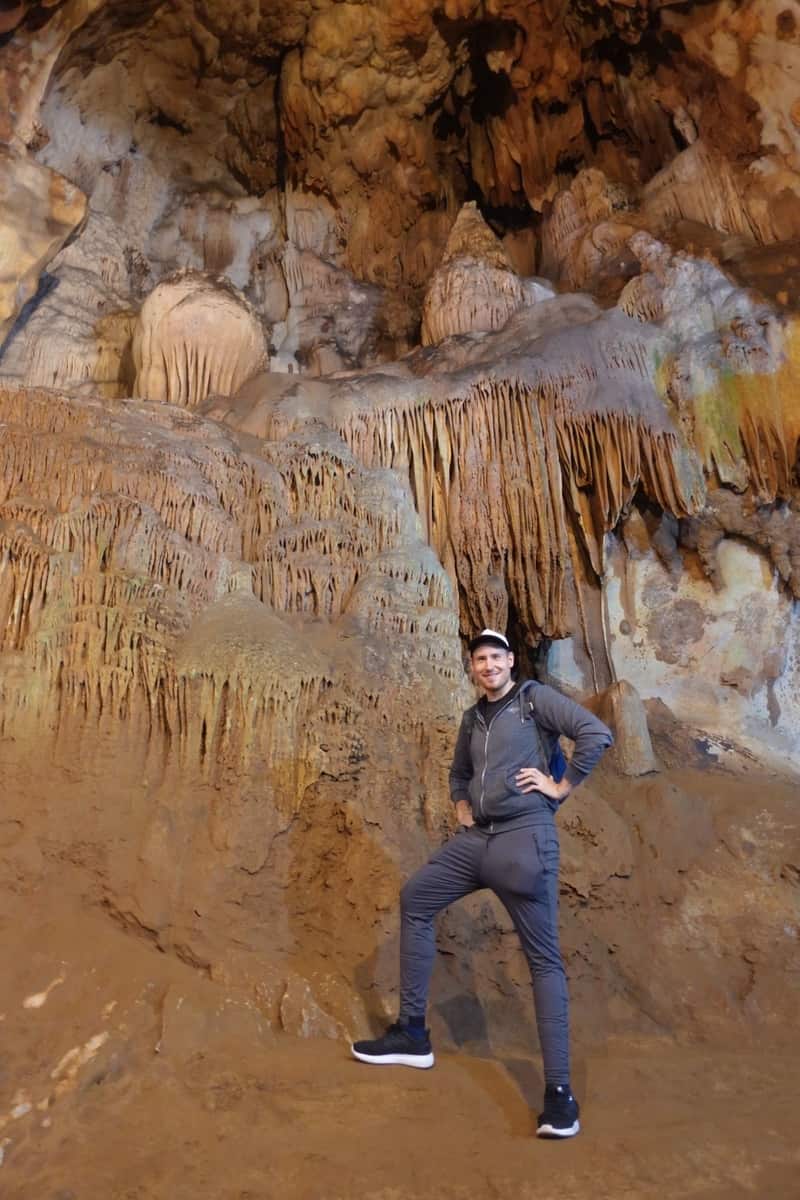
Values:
[(408, 895)]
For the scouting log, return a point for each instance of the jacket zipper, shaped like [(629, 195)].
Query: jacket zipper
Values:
[(488, 729)]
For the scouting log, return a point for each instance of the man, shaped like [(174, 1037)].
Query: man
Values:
[(505, 799)]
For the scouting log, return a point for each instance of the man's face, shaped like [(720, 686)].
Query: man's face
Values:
[(491, 669)]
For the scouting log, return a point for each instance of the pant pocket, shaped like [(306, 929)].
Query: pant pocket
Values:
[(546, 840)]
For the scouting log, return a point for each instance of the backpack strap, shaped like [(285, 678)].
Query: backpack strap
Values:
[(531, 709), (555, 760)]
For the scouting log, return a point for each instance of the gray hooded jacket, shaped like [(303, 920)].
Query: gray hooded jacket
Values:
[(523, 733)]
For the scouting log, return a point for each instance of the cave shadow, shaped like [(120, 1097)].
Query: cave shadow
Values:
[(528, 1078), (460, 1012), (464, 1017), (47, 284)]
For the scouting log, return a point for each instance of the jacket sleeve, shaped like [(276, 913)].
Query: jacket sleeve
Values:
[(461, 770), (560, 715)]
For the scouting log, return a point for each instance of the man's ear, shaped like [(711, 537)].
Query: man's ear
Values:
[(511, 658)]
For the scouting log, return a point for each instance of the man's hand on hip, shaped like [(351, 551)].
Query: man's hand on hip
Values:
[(530, 779)]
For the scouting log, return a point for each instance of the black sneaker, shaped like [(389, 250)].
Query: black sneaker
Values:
[(397, 1047), (560, 1116)]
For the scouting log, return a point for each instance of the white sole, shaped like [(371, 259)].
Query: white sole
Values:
[(422, 1061), (550, 1131)]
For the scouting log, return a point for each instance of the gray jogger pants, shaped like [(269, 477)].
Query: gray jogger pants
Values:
[(521, 868)]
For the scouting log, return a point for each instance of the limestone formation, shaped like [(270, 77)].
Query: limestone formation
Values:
[(195, 336), (69, 343), (291, 552), (702, 186), (317, 163), (620, 706), (730, 372), (586, 229), (565, 413), (474, 289), (29, 58)]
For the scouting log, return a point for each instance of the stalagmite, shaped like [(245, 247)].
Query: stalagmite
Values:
[(702, 186), (587, 225), (620, 706), (195, 336), (474, 288)]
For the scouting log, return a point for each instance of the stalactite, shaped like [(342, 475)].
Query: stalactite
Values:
[(492, 455), (146, 525)]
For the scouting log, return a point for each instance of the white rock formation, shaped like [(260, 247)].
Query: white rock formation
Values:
[(475, 288), (195, 337)]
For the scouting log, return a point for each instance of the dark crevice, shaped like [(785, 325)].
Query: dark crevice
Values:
[(524, 642), (165, 121), (589, 127), (494, 93), (570, 163), (614, 51), (659, 46), (500, 216), (655, 48), (446, 125), (416, 47)]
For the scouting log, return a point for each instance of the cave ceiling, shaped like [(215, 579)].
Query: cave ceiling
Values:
[(405, 105)]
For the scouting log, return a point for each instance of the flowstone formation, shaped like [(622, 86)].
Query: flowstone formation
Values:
[(328, 335), (195, 336)]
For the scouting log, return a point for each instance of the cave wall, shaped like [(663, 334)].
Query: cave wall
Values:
[(331, 334)]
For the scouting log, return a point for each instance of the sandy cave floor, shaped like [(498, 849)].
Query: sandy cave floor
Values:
[(303, 1121), (300, 1120)]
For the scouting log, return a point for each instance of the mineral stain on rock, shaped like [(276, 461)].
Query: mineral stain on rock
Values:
[(674, 627)]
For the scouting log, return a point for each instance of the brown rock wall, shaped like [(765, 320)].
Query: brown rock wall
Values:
[(39, 210)]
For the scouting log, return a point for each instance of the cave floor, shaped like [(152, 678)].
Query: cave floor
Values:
[(300, 1120)]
